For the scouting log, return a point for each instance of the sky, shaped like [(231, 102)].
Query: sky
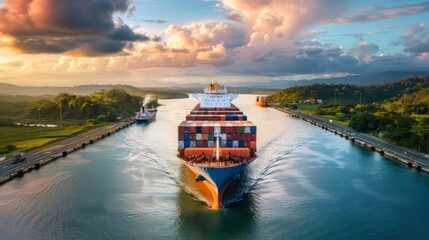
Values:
[(159, 42)]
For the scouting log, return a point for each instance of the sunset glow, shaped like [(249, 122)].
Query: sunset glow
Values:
[(144, 42)]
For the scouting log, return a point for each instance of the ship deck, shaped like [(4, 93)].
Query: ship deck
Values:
[(205, 161)]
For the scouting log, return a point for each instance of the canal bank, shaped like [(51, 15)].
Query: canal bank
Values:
[(393, 152), (39, 157)]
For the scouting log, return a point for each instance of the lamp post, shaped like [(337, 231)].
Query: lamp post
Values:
[(398, 101), (61, 114), (335, 98), (360, 98), (40, 126)]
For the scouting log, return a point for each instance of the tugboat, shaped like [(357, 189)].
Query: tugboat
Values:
[(146, 115), (216, 141), (261, 101)]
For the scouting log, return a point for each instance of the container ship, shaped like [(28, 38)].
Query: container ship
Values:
[(216, 141), (146, 115), (261, 101)]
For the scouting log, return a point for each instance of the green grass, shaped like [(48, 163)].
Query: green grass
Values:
[(420, 116), (334, 120), (26, 138), (307, 107)]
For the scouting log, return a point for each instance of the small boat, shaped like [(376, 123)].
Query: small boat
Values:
[(146, 115), (261, 101)]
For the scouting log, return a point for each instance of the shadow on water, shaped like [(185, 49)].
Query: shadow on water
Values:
[(195, 220)]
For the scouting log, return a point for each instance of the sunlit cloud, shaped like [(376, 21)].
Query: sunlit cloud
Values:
[(262, 38), (60, 26)]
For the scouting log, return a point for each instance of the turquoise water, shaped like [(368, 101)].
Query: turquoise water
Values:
[(306, 184)]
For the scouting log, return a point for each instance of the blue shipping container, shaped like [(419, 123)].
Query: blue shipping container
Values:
[(253, 129), (186, 137)]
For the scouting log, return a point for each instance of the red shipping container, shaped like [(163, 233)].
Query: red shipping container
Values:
[(205, 136), (252, 137), (240, 136), (205, 129)]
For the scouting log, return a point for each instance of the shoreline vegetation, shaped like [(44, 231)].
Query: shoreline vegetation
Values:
[(397, 112), (73, 114)]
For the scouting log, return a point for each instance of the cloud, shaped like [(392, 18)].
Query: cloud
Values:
[(234, 16), (276, 21), (416, 40), (156, 21), (265, 38), (62, 26), (13, 63), (381, 13), (364, 51)]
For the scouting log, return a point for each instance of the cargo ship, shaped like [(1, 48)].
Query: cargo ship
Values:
[(146, 115), (216, 141), (261, 101)]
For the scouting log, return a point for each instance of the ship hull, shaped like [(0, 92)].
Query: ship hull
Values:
[(150, 118), (216, 179)]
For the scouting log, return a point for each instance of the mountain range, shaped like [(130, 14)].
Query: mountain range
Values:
[(242, 87)]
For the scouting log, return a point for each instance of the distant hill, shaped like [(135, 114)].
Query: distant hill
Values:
[(10, 89), (361, 80), (350, 94)]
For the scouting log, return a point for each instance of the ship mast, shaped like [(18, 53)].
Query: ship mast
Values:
[(217, 135)]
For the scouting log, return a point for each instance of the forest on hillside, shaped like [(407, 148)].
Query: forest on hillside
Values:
[(398, 111), (350, 94), (105, 105)]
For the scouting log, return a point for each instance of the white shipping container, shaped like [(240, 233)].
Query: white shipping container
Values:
[(247, 130)]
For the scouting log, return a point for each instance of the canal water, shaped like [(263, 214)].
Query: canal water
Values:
[(306, 184)]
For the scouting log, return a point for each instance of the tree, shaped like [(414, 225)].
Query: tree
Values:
[(363, 122), (400, 129), (10, 147)]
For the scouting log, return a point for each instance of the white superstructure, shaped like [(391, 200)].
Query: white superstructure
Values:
[(213, 97)]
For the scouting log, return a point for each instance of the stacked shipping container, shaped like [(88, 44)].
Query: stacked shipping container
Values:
[(198, 131)]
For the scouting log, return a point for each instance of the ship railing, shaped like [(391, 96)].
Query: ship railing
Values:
[(229, 160)]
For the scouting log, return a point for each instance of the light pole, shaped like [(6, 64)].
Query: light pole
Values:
[(335, 98), (40, 126), (398, 100), (61, 115), (360, 98)]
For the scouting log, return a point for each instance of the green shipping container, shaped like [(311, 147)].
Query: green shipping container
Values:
[(211, 136), (241, 130)]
